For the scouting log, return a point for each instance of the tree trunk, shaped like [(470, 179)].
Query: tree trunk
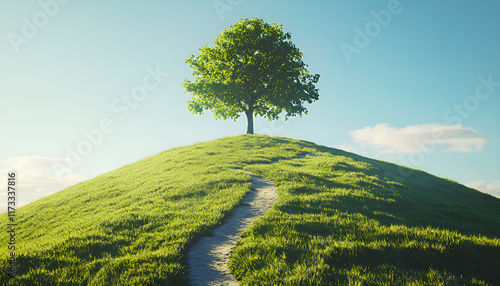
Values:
[(249, 114)]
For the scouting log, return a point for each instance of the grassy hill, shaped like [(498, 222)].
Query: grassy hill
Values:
[(340, 219)]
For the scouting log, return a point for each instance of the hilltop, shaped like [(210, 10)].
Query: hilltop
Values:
[(340, 219)]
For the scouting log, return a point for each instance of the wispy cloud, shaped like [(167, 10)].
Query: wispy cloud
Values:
[(419, 138), (35, 178), (492, 188)]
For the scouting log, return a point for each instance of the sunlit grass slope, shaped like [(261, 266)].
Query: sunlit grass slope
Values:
[(340, 219)]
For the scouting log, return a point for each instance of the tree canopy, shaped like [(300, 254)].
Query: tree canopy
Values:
[(254, 68)]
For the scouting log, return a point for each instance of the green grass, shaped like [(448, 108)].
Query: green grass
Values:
[(341, 219)]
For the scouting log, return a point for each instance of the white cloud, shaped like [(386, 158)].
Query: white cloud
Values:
[(36, 178), (347, 147), (419, 138), (492, 188)]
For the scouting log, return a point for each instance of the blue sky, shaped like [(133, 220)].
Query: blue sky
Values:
[(411, 82)]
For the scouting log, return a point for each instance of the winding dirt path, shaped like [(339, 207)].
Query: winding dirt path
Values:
[(208, 258)]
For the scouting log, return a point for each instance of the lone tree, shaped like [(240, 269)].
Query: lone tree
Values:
[(253, 68)]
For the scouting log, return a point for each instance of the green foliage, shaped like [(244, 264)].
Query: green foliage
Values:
[(253, 68), (341, 219)]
